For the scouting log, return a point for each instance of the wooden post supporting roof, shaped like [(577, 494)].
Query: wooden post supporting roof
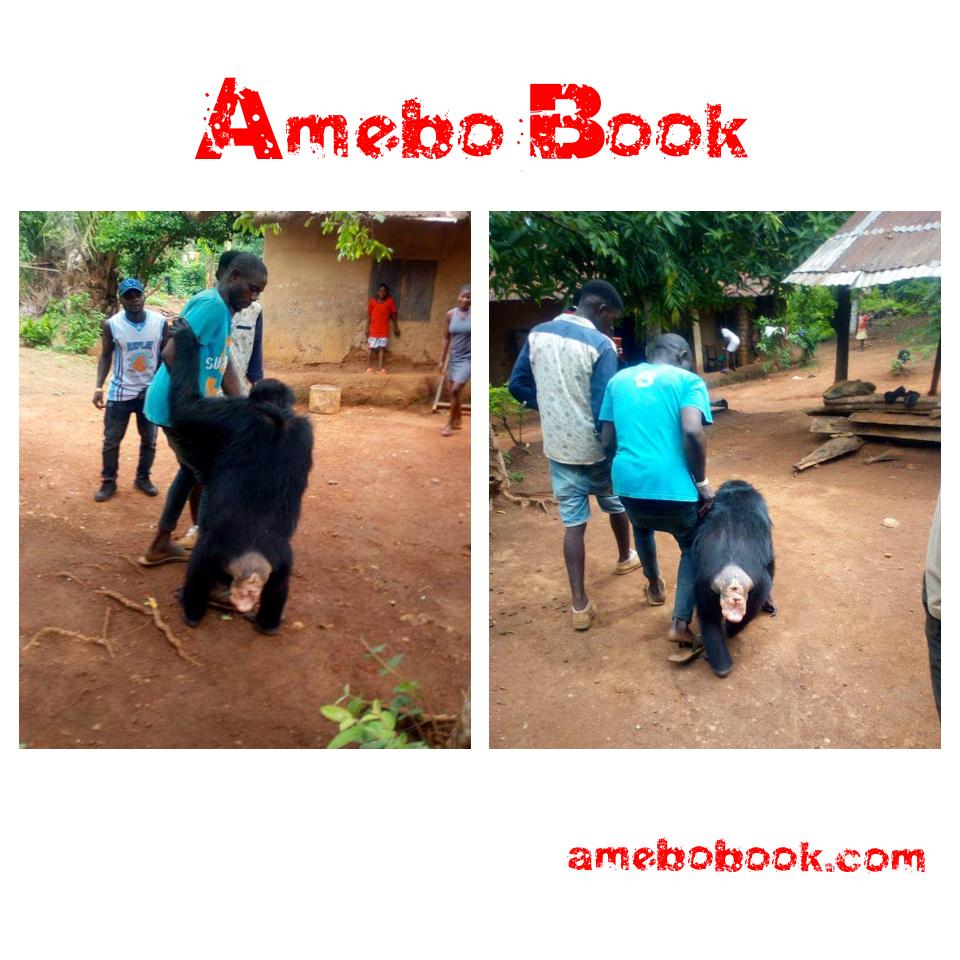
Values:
[(935, 382), (841, 323)]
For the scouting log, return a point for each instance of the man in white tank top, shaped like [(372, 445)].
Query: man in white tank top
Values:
[(131, 344)]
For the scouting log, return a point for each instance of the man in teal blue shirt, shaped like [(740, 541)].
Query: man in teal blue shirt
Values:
[(651, 421), (208, 314)]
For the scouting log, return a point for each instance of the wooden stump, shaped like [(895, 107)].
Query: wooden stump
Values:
[(324, 398)]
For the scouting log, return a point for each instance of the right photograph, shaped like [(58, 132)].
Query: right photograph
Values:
[(715, 479)]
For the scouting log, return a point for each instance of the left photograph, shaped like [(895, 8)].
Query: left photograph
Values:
[(244, 479)]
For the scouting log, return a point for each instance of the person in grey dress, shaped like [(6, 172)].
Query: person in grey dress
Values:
[(456, 346)]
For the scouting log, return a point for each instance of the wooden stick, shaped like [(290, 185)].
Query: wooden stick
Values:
[(154, 614), (70, 634)]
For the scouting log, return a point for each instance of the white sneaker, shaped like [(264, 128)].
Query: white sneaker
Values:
[(189, 539), (626, 566)]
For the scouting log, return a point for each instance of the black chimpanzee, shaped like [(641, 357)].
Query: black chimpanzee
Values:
[(260, 456), (733, 563)]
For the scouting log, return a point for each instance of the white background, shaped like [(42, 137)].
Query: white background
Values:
[(307, 853)]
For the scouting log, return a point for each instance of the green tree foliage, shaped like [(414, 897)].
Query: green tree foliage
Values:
[(65, 251), (355, 237), (664, 263), (147, 244), (806, 322), (908, 298)]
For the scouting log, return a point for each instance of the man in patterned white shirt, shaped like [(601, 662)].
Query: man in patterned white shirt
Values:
[(562, 371)]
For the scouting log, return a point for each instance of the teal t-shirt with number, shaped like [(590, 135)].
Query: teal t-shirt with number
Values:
[(209, 318), (643, 403)]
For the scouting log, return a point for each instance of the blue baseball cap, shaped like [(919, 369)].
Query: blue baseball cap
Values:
[(131, 283)]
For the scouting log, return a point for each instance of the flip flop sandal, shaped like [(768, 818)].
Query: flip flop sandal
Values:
[(689, 649), (650, 599), (177, 555)]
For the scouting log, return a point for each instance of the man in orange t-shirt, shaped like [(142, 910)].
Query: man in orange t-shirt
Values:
[(381, 309)]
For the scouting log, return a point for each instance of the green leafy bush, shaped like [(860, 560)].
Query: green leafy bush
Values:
[(905, 299), (82, 326), (185, 280), (37, 331), (69, 324), (370, 724), (806, 322), (503, 406)]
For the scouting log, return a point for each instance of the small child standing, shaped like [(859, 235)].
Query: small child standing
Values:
[(381, 310)]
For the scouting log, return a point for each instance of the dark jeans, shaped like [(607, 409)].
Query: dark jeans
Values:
[(678, 519), (932, 629), (115, 427), (193, 469)]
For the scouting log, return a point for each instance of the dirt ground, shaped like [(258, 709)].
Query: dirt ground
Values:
[(382, 556), (844, 664)]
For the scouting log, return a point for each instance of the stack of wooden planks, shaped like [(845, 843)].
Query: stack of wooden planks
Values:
[(871, 417), (850, 421)]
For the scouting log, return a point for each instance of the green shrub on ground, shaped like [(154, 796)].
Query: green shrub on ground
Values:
[(37, 331), (69, 324), (806, 322)]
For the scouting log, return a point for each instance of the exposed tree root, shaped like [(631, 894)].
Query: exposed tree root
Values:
[(154, 613), (524, 500), (69, 576), (136, 566), (70, 634)]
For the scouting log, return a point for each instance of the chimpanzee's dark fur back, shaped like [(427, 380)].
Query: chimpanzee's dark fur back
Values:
[(736, 530), (256, 455)]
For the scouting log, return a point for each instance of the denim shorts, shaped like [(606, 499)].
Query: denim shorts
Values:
[(574, 483)]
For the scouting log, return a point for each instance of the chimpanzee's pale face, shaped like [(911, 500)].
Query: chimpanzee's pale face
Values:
[(245, 593), (249, 573), (733, 601)]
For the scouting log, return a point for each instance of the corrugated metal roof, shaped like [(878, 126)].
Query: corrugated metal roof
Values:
[(875, 247)]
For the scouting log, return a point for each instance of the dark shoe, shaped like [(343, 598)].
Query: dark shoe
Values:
[(910, 399), (107, 489), (144, 485)]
